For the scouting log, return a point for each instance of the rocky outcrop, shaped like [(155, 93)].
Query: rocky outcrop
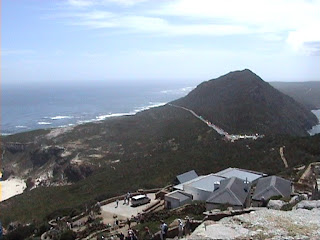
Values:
[(308, 204), (275, 204), (263, 224), (76, 172), (15, 147), (43, 155)]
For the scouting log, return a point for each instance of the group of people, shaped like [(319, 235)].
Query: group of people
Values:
[(126, 200), (183, 228)]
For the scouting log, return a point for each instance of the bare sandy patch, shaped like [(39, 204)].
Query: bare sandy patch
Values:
[(11, 187), (58, 131)]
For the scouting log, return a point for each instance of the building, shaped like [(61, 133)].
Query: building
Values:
[(185, 177), (269, 187), (243, 174), (232, 192), (176, 199), (202, 187)]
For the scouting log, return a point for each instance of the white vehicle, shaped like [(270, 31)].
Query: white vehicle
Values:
[(139, 200)]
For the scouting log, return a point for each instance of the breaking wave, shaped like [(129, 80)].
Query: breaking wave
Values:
[(61, 117), (44, 123)]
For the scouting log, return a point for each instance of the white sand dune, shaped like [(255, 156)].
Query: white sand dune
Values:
[(11, 187)]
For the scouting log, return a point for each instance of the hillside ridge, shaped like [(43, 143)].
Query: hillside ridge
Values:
[(241, 102)]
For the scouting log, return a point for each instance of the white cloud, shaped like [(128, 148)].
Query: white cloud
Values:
[(306, 40), (128, 2), (148, 24), (273, 20), (270, 17), (81, 3)]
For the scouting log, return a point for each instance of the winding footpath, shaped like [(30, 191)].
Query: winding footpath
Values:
[(283, 157), (229, 137)]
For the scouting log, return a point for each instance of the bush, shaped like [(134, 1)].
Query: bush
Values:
[(42, 229), (20, 233), (71, 212), (68, 235)]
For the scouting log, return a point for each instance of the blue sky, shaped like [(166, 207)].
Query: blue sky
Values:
[(157, 40)]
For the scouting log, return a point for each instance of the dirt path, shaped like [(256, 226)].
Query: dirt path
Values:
[(282, 157)]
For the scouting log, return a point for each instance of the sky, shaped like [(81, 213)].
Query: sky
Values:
[(157, 40)]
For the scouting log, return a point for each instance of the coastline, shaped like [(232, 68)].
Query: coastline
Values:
[(96, 119), (11, 187), (316, 128)]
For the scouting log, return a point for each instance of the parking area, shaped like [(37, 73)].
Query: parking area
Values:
[(123, 211)]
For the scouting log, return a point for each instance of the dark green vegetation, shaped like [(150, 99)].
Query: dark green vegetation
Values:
[(148, 150), (153, 147), (306, 93), (241, 102)]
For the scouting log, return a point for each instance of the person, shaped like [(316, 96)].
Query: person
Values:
[(187, 226), (163, 230), (117, 203), (148, 235), (180, 228), (128, 222), (1, 231), (131, 235), (121, 236), (116, 223), (128, 198)]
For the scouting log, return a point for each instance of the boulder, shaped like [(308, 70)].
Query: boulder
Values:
[(295, 199), (275, 204), (308, 204)]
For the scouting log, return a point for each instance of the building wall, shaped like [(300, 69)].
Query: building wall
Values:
[(171, 202), (198, 194), (212, 206), (174, 203), (189, 200)]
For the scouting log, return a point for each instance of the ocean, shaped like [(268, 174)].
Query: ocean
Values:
[(36, 106), (315, 129)]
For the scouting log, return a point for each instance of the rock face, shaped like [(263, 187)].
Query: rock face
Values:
[(263, 224), (275, 204), (241, 102), (308, 204)]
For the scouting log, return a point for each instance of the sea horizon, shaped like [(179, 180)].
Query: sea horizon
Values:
[(30, 108)]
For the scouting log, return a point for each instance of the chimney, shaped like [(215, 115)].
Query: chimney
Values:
[(216, 185), (246, 187)]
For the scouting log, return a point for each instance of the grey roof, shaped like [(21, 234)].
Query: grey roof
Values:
[(187, 176), (206, 182), (268, 187), (241, 173), (179, 195), (180, 186), (232, 191)]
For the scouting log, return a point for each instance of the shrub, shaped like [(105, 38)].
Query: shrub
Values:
[(68, 235), (20, 233)]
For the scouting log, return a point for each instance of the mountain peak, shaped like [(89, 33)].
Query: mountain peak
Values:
[(241, 102)]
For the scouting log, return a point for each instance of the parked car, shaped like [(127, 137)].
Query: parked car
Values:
[(139, 200)]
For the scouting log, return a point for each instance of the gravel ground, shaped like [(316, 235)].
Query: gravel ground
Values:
[(264, 224)]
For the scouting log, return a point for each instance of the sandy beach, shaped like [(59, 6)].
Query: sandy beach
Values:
[(11, 187)]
